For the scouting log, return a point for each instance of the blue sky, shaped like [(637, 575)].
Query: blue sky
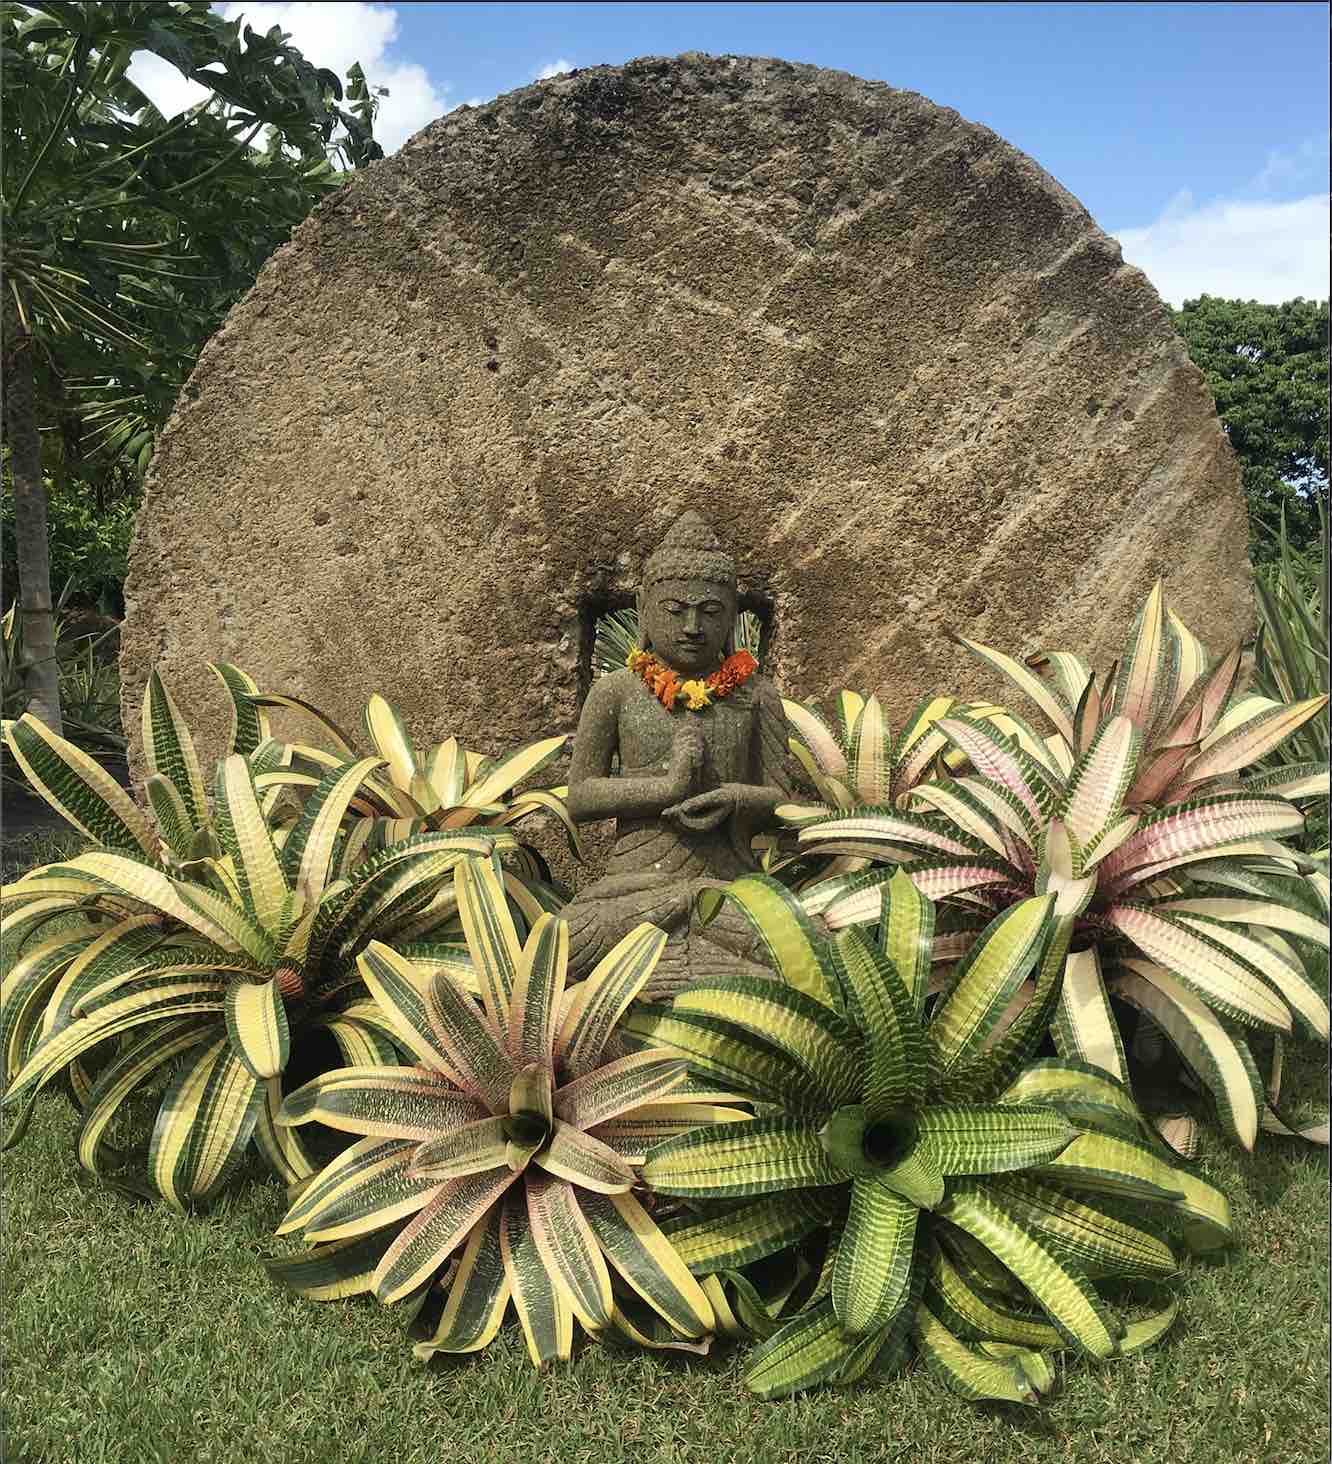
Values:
[(1196, 133)]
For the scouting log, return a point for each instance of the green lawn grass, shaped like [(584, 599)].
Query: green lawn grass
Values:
[(133, 1334)]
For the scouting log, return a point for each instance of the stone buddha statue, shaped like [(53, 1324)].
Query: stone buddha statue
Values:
[(702, 745)]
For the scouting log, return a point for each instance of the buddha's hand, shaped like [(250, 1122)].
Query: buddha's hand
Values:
[(686, 760), (704, 811)]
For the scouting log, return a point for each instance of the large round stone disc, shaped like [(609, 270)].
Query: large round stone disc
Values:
[(898, 367)]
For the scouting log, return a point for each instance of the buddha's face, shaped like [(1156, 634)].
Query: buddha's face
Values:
[(688, 623)]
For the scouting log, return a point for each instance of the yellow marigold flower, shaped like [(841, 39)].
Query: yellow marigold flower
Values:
[(635, 659), (695, 695)]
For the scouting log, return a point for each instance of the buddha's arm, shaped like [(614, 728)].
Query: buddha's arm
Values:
[(594, 794)]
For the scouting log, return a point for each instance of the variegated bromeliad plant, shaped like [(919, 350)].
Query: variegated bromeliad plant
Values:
[(1136, 813), (953, 1194), (197, 951)]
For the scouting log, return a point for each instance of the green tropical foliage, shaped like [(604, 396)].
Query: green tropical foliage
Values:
[(1266, 366), (443, 786), (198, 948), (970, 1204), (1290, 665), (128, 236), (514, 1139), (1193, 913)]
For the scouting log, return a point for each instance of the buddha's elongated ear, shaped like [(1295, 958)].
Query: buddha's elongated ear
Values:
[(644, 639)]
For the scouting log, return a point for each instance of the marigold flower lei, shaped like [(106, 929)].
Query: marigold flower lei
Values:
[(666, 686)]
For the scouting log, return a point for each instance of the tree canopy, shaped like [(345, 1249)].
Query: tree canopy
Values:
[(1266, 366)]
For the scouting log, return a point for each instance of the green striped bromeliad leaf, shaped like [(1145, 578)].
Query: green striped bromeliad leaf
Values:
[(601, 1000), (742, 1159), (283, 1149), (478, 1295), (811, 1033), (471, 1148), (1224, 980), (820, 740), (584, 1161), (793, 947), (360, 1043), (870, 1276), (117, 951), (1219, 1061), (437, 1230), (1168, 836), (244, 834), (987, 979), (391, 741), (151, 1001), (1084, 1027), (249, 722), (808, 1350), (634, 1133), (1093, 796), (968, 1373), (204, 1123), (568, 1248), (537, 990), (1112, 1165), (473, 1045), (906, 935), (79, 790), (1060, 1286), (256, 1019), (132, 1067), (1279, 964), (993, 1138), (1143, 670), (959, 804), (1088, 1095), (544, 1314), (329, 1272), (367, 1176), (391, 980), (619, 1086), (881, 833), (979, 1313), (892, 1055), (1253, 738), (870, 755), (634, 1245), (509, 771), (751, 1231), (307, 855), (491, 936), (168, 749), (1249, 911), (738, 1061), (400, 1102), (173, 819), (1101, 1244), (1026, 681), (28, 984), (217, 912), (1000, 759)]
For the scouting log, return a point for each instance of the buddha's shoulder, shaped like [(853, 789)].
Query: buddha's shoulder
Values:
[(611, 689)]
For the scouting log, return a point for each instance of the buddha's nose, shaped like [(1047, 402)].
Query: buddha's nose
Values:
[(693, 624)]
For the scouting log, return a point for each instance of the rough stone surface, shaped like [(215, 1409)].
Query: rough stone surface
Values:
[(894, 363)]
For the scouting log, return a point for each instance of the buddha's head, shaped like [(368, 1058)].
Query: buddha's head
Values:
[(688, 603)]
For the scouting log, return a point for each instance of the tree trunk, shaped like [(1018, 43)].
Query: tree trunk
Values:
[(41, 675)]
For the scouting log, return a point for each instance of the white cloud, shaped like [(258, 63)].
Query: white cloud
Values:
[(329, 33), (552, 68), (1291, 168), (1237, 248)]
